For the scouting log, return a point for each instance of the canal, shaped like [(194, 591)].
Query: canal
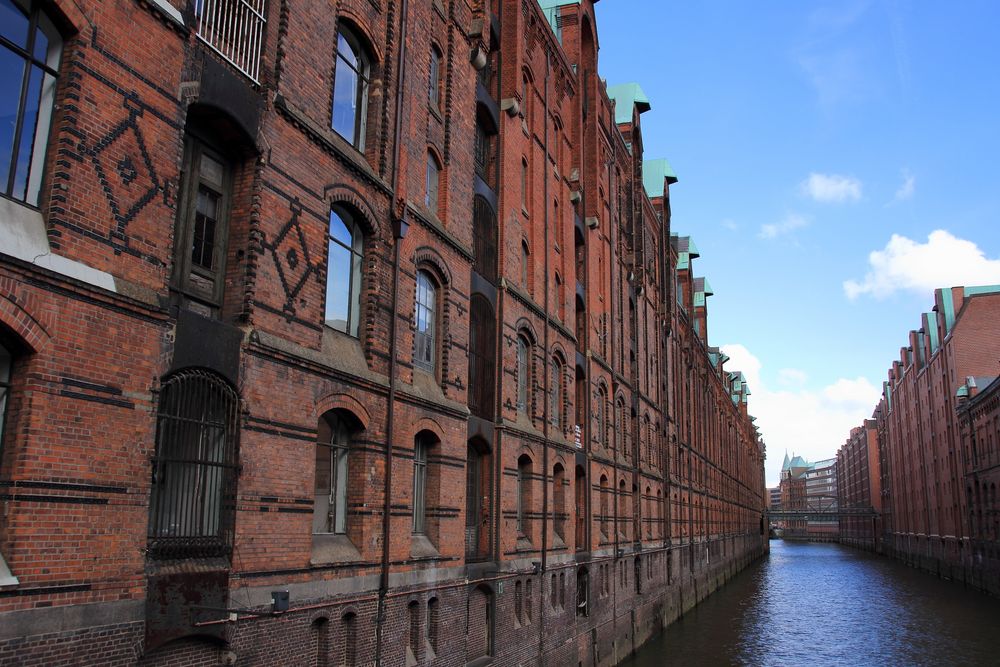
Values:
[(826, 604)]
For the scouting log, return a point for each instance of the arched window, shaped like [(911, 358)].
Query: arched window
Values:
[(622, 506), (523, 495), (30, 54), (582, 591), (332, 449), (605, 514), (350, 89), (194, 470), (580, 497), (523, 374), (349, 629), (433, 621), (420, 449), (431, 188), (558, 285), (619, 426), (345, 244), (525, 199), (413, 636), (556, 394), (425, 352), (479, 624), (321, 640), (525, 267), (434, 85), (559, 501), (518, 604), (602, 416)]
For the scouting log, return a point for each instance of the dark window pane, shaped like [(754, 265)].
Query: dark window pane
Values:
[(11, 75), (41, 44), (13, 23), (206, 215), (29, 115)]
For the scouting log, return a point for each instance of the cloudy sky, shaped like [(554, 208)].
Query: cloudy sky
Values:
[(837, 162)]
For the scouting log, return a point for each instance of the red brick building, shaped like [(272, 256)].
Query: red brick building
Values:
[(859, 487), (924, 470), (348, 333), (979, 425)]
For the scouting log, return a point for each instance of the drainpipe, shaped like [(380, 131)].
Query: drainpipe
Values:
[(399, 228), (547, 372)]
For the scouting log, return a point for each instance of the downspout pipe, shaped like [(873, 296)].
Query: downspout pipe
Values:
[(399, 227), (547, 372)]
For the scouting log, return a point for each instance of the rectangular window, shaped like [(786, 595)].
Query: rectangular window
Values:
[(201, 233)]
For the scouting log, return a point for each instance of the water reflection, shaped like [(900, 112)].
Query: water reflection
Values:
[(824, 604)]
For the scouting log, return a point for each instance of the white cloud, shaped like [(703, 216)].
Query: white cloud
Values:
[(831, 188), (792, 376), (811, 423), (908, 187), (904, 264), (791, 222), (730, 224)]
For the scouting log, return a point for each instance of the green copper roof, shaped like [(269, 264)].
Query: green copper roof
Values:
[(627, 95), (702, 290), (654, 173), (686, 250), (981, 289), (930, 328), (550, 8), (949, 310)]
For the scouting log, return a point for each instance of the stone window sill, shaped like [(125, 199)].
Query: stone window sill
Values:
[(330, 548)]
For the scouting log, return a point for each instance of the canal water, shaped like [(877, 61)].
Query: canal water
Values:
[(822, 605)]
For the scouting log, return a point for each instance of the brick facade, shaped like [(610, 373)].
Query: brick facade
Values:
[(859, 487), (927, 474), (368, 302)]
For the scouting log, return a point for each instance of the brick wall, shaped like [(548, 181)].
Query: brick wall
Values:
[(95, 338)]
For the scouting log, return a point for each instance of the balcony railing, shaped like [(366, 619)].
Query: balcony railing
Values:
[(235, 29)]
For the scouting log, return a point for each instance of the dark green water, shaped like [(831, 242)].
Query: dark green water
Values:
[(824, 604)]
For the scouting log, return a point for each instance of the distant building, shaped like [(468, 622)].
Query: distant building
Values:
[(774, 497), (978, 416), (859, 487), (806, 485)]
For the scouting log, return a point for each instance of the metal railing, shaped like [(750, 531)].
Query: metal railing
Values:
[(234, 29)]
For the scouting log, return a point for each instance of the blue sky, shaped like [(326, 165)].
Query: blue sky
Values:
[(837, 161)]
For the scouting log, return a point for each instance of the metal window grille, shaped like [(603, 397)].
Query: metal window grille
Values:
[(484, 240), (234, 29), (192, 503), (482, 368)]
